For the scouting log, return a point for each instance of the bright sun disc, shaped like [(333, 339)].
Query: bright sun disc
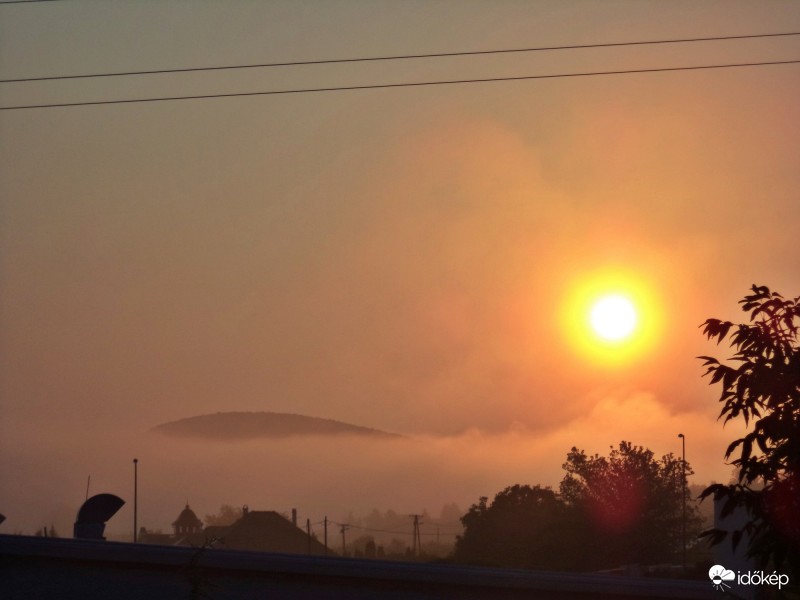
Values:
[(613, 318)]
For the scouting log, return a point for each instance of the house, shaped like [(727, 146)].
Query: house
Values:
[(265, 531), (255, 530)]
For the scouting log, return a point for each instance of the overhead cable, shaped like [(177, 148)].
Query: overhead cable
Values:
[(398, 85), (398, 57)]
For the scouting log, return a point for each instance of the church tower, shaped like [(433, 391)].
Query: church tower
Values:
[(187, 523)]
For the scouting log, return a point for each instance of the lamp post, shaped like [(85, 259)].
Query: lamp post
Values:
[(683, 491), (135, 498)]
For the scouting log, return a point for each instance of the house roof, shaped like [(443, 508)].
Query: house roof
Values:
[(266, 531)]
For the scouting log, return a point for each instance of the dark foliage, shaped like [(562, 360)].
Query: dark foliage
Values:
[(611, 511), (227, 515), (523, 527), (630, 505), (764, 391)]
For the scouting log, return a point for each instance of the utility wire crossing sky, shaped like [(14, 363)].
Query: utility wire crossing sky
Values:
[(401, 57), (399, 85), (404, 84)]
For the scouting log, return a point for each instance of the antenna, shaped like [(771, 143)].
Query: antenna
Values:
[(88, 480)]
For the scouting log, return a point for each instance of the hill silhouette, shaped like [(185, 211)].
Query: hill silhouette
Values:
[(234, 426)]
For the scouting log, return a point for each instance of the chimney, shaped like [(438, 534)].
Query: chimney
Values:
[(294, 517), (245, 510)]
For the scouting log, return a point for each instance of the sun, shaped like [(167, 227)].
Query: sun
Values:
[(613, 317)]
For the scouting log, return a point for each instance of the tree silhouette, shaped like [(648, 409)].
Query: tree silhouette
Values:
[(523, 527), (629, 504), (764, 390), (626, 508), (227, 515)]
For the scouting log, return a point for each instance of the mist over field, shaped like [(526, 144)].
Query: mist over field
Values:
[(333, 476)]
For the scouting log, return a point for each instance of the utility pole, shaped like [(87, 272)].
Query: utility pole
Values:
[(135, 498), (344, 548), (416, 546), (326, 536), (308, 531), (683, 489)]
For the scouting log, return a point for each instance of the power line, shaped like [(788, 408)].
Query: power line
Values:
[(27, 1), (399, 85), (395, 57), (393, 532)]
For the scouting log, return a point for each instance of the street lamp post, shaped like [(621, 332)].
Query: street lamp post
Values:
[(683, 489), (135, 498)]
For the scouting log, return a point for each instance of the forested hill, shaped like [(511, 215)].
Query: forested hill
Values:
[(232, 426)]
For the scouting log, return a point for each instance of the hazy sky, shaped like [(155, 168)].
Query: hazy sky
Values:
[(404, 259)]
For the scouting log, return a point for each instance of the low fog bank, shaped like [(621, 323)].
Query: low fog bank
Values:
[(337, 477)]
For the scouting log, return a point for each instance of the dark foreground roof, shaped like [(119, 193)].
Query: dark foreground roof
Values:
[(66, 569)]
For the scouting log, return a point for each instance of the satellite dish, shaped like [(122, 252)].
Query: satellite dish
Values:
[(93, 515), (2, 517)]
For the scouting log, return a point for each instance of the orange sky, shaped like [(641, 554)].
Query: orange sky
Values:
[(400, 259)]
